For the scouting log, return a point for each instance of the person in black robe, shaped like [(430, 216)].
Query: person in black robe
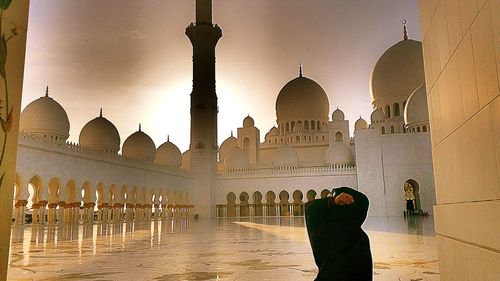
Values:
[(340, 247)]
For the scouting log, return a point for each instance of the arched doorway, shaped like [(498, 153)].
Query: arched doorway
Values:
[(325, 193), (271, 203), (411, 193), (257, 203), (231, 204), (284, 210), (244, 208), (298, 206), (311, 195)]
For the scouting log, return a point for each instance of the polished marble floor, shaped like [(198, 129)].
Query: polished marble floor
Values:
[(218, 249)]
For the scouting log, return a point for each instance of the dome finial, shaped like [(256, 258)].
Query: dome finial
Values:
[(301, 65), (47, 91), (139, 127), (100, 112), (168, 138), (231, 133), (405, 30)]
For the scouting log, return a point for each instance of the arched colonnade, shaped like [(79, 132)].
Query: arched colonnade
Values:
[(268, 204), (54, 200)]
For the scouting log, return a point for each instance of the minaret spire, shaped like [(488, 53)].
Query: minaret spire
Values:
[(47, 91), (405, 30), (204, 12), (204, 36)]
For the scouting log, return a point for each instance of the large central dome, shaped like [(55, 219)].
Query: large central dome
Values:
[(302, 99), (398, 72)]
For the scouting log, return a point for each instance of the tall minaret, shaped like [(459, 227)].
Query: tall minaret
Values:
[(204, 36)]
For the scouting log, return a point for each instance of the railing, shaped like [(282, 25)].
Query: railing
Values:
[(260, 210), (321, 170)]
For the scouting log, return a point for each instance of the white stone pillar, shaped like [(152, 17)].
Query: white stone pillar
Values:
[(163, 211), (35, 214), (104, 212), (21, 211)]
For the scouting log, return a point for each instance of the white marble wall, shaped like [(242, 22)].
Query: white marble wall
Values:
[(386, 162), (462, 62), (369, 163), (405, 157)]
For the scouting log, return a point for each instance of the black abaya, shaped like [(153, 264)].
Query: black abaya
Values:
[(340, 247)]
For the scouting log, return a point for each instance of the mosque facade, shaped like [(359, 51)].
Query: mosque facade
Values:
[(307, 153)]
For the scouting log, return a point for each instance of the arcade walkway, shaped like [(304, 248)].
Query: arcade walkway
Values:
[(250, 249)]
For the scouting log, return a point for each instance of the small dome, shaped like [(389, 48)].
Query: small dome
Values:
[(169, 154), (416, 110), (139, 146), (101, 135), (339, 153), (45, 117), (248, 122), (377, 116), (274, 131), (286, 156), (267, 137), (398, 72), (302, 99), (226, 146), (360, 124), (338, 115), (236, 159), (186, 160)]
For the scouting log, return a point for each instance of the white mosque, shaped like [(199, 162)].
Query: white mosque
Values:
[(307, 153)]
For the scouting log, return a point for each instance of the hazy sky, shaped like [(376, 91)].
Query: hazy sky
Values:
[(132, 58)]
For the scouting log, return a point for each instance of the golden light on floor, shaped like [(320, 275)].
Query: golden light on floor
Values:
[(218, 249)]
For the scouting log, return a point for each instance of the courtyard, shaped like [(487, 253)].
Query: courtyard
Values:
[(274, 248)]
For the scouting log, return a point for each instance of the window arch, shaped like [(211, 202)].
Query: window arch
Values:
[(383, 130), (397, 111), (312, 125), (424, 129), (388, 111), (392, 129), (339, 137), (306, 125), (287, 127)]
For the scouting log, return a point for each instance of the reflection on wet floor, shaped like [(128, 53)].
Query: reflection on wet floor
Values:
[(218, 249)]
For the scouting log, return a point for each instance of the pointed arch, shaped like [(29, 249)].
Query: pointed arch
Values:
[(54, 188), (311, 195)]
